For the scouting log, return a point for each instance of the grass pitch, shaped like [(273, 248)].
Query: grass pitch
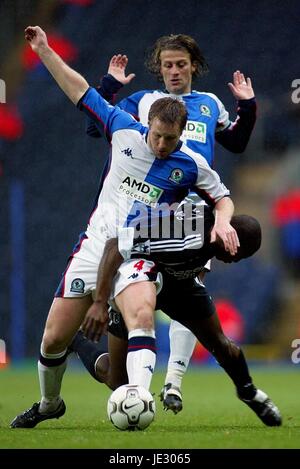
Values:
[(212, 416)]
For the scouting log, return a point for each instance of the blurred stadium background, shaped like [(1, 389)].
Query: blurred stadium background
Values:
[(49, 169)]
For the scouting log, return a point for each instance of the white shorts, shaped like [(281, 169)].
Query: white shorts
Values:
[(133, 271), (80, 276)]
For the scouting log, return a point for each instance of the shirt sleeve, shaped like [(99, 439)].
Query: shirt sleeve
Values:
[(208, 184), (108, 89), (236, 135), (108, 118)]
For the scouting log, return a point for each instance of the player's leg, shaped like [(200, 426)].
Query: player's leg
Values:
[(64, 319), (230, 356), (72, 300), (105, 364), (137, 304), (117, 375), (117, 346), (182, 344), (110, 368), (134, 295), (107, 367), (90, 353)]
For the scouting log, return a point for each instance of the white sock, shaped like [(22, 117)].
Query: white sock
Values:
[(182, 344), (141, 357), (50, 382)]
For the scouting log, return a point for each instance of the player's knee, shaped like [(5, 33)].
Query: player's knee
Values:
[(54, 342), (102, 369), (143, 318)]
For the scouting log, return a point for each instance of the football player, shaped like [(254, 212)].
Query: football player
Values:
[(149, 167), (183, 297), (176, 60)]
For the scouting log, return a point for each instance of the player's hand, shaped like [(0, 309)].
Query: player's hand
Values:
[(96, 321), (36, 37), (117, 67), (241, 87), (228, 235)]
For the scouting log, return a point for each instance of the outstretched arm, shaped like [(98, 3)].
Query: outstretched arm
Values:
[(117, 68), (235, 138), (241, 87), (71, 82), (110, 84)]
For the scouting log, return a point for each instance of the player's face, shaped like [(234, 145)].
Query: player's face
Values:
[(163, 138), (176, 69)]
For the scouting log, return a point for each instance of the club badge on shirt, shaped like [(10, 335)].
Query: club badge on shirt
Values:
[(176, 175)]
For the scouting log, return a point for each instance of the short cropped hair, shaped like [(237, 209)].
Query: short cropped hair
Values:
[(169, 111), (176, 42), (249, 233)]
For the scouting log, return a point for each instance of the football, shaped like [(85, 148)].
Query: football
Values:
[(131, 407)]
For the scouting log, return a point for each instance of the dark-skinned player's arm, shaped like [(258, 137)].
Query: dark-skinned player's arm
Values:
[(96, 319)]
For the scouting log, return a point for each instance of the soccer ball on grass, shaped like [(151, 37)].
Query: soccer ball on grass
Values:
[(131, 407)]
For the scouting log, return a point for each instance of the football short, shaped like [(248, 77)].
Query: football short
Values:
[(80, 277), (134, 271), (185, 301), (116, 325)]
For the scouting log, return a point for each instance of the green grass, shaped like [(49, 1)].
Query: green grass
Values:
[(212, 416)]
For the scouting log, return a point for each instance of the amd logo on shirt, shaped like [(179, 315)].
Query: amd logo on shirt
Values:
[(140, 190)]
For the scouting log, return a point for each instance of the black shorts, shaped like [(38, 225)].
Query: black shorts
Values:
[(185, 299), (116, 325)]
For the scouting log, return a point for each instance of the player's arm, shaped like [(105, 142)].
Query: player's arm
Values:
[(110, 262), (222, 228), (234, 136), (96, 319), (76, 87), (71, 82), (116, 250), (211, 189)]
